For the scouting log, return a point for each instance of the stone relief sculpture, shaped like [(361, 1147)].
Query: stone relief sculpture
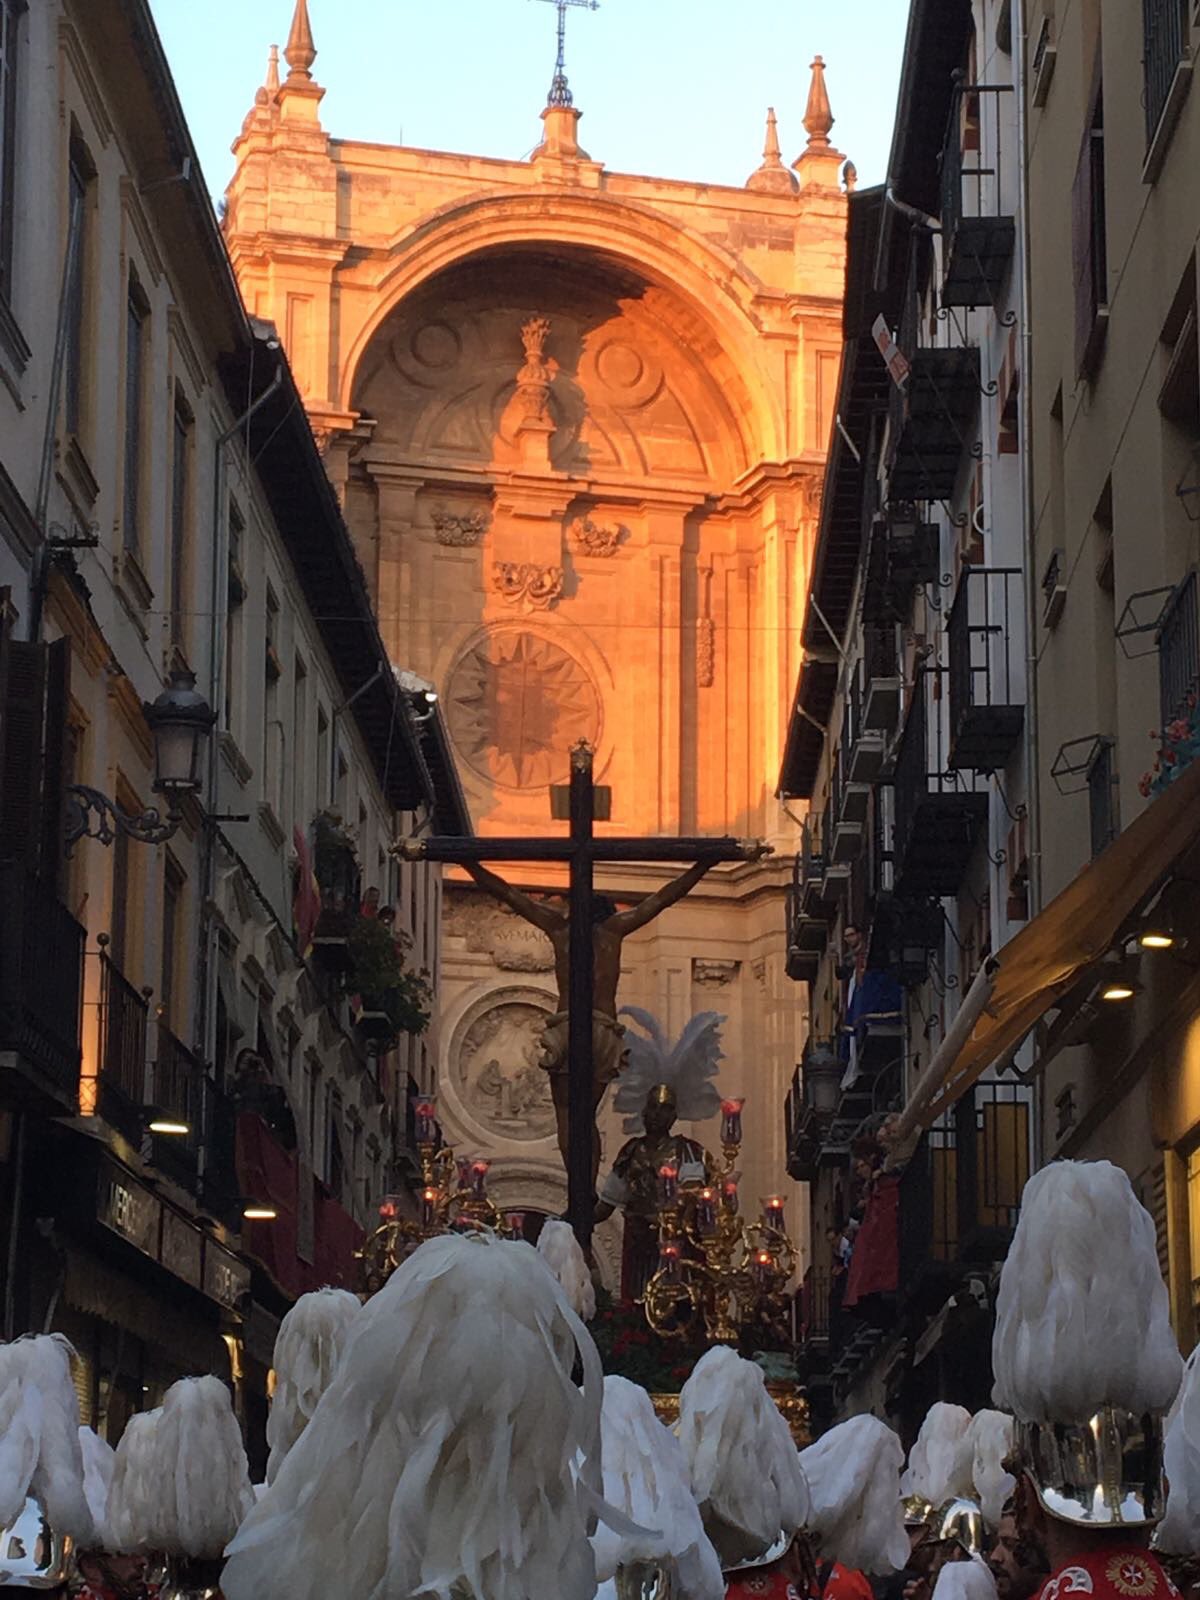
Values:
[(459, 530), (492, 930), (597, 539), (525, 584), (495, 1065)]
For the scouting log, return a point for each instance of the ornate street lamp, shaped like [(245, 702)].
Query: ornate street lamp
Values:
[(180, 720)]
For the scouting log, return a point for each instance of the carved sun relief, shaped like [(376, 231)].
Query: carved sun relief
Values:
[(516, 704)]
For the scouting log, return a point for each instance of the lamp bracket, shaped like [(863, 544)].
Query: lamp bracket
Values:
[(92, 815)]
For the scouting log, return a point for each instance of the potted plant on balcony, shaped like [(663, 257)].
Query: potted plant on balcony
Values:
[(391, 1000), (335, 867)]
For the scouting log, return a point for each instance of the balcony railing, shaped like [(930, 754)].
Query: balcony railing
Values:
[(986, 700), (929, 1215), (1165, 32), (939, 812), (901, 554), (41, 979), (978, 228), (1179, 651), (992, 1135), (807, 927), (123, 1019), (178, 1089)]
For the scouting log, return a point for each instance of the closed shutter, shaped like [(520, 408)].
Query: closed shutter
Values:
[(20, 783)]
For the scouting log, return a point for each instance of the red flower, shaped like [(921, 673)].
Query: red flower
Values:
[(1178, 729), (1169, 756), (1144, 785)]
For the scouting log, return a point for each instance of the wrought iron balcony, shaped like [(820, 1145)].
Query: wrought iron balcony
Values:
[(848, 800), (809, 874), (902, 553), (178, 1090), (1178, 634), (807, 934), (123, 1023), (883, 685), (1165, 34), (939, 812), (41, 980), (802, 1130), (987, 708), (978, 228), (864, 748), (992, 1132), (929, 1218)]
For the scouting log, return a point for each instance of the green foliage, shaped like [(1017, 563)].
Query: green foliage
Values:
[(629, 1349), (378, 975)]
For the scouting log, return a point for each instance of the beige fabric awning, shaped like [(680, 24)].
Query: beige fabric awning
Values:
[(1053, 951)]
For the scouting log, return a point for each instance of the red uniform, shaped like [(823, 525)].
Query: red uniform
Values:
[(1122, 1573), (844, 1583)]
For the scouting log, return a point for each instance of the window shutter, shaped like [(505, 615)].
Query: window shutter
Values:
[(55, 761), (20, 786)]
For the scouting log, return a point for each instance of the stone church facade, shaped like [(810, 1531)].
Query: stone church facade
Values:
[(577, 422)]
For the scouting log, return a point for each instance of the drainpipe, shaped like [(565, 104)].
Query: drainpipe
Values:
[(205, 1030)]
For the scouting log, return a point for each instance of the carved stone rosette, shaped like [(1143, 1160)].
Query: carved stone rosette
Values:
[(596, 539), (459, 531), (526, 585)]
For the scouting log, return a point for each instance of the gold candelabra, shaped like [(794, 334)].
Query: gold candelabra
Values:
[(717, 1272), (452, 1198)]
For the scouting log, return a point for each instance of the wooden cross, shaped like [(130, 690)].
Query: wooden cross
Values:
[(581, 850), (560, 94)]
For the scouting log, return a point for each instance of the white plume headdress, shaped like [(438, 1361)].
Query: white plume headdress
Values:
[(992, 1436), (1179, 1531), (131, 1488), (646, 1478), (857, 1516), (965, 1580), (40, 1452), (688, 1065), (440, 1459), (744, 1467), (198, 1488), (308, 1348), (1082, 1317), (939, 1463), (99, 1459), (560, 1250)]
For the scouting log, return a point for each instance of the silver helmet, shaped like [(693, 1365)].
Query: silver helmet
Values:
[(32, 1554)]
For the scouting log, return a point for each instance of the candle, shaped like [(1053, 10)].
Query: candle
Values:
[(731, 1121), (464, 1165), (425, 1117), (668, 1260), (730, 1192), (763, 1265), (389, 1210), (428, 1203), (706, 1212), (773, 1213), (514, 1224), (668, 1182), (479, 1171)]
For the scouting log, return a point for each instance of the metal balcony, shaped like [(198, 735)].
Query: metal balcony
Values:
[(992, 1133), (884, 686), (807, 934), (802, 1131), (41, 983), (978, 229), (987, 711), (864, 747), (178, 1089), (929, 1254), (809, 875), (902, 553), (123, 1021), (1178, 637), (939, 812), (1165, 35)]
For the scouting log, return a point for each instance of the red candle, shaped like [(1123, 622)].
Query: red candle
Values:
[(668, 1260), (388, 1211), (763, 1263), (514, 1224), (668, 1182), (479, 1171), (706, 1212), (425, 1117), (731, 1121), (773, 1213), (428, 1203), (730, 1192)]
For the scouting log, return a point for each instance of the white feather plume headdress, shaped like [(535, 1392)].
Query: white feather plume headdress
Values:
[(99, 1459), (646, 1478), (965, 1580), (40, 1452), (199, 1481), (939, 1463), (130, 1491), (857, 1516), (1082, 1312), (308, 1347), (441, 1459), (688, 1065), (1179, 1531), (992, 1437), (745, 1470), (560, 1250)]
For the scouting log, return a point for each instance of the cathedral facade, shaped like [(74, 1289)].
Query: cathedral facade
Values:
[(577, 422)]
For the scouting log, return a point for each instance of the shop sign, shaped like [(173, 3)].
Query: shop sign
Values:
[(182, 1249), (226, 1279), (130, 1210)]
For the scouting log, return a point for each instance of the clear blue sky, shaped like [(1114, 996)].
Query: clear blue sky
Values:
[(673, 88)]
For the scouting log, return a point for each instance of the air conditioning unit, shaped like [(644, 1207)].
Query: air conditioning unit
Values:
[(1054, 588), (1045, 59)]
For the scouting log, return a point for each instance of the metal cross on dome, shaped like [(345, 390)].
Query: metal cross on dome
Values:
[(560, 94)]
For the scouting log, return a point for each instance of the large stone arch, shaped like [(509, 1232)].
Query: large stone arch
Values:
[(717, 291)]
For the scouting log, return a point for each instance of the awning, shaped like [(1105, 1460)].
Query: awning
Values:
[(1052, 952)]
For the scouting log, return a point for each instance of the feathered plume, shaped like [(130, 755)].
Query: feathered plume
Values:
[(857, 1516), (308, 1348), (200, 1482), (99, 1458), (646, 1478), (939, 1464), (40, 1454), (1178, 1533), (688, 1066), (992, 1435), (744, 1468), (132, 1486), (965, 1580), (559, 1249), (1081, 1316), (442, 1453)]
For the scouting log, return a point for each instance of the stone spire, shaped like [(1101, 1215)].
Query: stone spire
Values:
[(273, 73), (818, 117), (301, 52), (772, 177)]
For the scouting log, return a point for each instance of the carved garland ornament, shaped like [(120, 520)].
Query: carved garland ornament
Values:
[(459, 531), (706, 652), (595, 538), (525, 584)]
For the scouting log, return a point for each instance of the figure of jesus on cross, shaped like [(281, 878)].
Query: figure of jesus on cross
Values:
[(583, 1048)]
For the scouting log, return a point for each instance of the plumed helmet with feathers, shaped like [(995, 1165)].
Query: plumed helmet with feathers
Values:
[(688, 1067)]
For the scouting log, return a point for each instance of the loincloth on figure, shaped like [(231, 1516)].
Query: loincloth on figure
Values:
[(609, 1049)]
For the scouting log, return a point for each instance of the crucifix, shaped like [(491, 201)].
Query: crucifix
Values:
[(583, 1049), (560, 94)]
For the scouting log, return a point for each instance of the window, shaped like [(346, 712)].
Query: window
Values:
[(335, 1159), (235, 595), (10, 32), (322, 757), (136, 333), (1102, 796), (181, 508), (273, 733), (171, 934), (299, 736), (81, 175), (1089, 241)]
